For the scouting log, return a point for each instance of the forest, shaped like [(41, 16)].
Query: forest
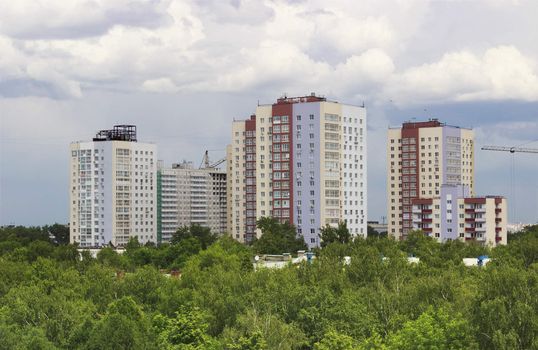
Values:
[(202, 292)]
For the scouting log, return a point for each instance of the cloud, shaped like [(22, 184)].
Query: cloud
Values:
[(502, 72), (160, 85), (50, 48), (122, 58), (59, 19)]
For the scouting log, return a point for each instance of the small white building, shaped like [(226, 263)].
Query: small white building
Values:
[(271, 261)]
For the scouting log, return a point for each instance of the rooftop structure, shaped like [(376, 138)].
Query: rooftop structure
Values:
[(118, 133)]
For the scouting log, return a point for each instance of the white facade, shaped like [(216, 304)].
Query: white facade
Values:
[(455, 215), (192, 196), (422, 156), (113, 192), (308, 168)]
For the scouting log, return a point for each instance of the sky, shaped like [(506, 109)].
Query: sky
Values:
[(183, 70)]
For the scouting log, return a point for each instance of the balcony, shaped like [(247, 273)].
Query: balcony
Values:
[(497, 220), (469, 219), (498, 239), (426, 211), (498, 210), (469, 211), (498, 229)]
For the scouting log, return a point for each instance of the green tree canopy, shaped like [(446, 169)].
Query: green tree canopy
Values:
[(331, 234), (277, 238), (201, 233)]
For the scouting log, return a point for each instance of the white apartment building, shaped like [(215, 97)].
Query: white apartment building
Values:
[(301, 160), (190, 196), (113, 189), (422, 156), (455, 215)]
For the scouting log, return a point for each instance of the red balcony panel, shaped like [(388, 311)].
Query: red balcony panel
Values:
[(497, 220), (498, 229), (470, 229), (427, 229), (422, 201), (469, 210), (498, 210), (480, 200), (426, 211), (498, 239), (469, 219)]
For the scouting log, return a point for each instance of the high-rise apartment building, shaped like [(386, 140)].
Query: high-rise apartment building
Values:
[(301, 160), (190, 196), (455, 215), (422, 156), (113, 189)]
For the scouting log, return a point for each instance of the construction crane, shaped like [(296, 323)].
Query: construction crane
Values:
[(205, 161), (510, 149)]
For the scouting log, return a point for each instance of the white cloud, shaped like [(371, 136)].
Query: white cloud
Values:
[(51, 19), (160, 85), (123, 58), (64, 49), (502, 72)]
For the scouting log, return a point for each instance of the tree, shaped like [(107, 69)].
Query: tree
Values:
[(277, 238), (522, 247), (185, 331), (336, 341), (253, 331), (67, 253), (201, 233), (123, 327), (108, 256), (504, 308), (371, 232), (253, 341), (331, 234), (434, 329), (60, 233)]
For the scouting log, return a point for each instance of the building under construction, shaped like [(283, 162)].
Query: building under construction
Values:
[(187, 195)]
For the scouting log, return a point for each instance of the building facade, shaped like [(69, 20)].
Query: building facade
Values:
[(422, 156), (190, 196), (455, 215), (300, 160), (113, 189)]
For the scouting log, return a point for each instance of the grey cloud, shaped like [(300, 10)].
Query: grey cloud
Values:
[(87, 19), (30, 87)]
